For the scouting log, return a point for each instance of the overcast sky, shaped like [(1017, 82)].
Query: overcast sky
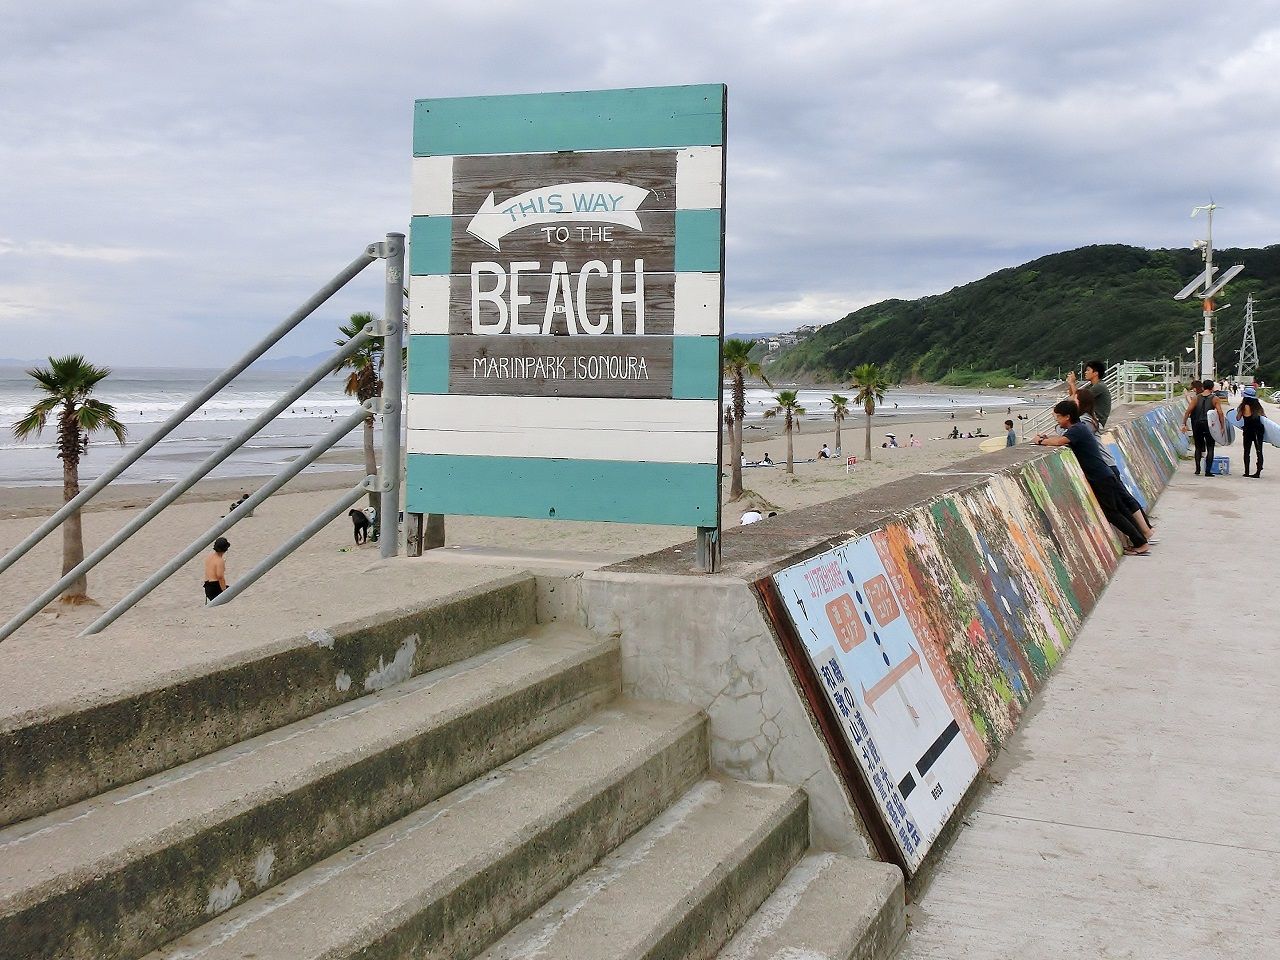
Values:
[(175, 177)]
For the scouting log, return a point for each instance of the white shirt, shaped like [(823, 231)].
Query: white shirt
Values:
[(751, 516)]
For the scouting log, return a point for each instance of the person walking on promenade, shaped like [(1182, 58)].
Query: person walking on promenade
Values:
[(1251, 414), (1202, 406), (1080, 438), (1093, 373)]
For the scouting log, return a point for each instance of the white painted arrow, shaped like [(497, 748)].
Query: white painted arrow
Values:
[(588, 202)]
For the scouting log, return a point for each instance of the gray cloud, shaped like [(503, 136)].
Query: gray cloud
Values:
[(181, 174)]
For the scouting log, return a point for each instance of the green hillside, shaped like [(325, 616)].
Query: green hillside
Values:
[(1114, 302)]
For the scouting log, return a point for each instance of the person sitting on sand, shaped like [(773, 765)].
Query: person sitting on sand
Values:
[(954, 434), (824, 453), (751, 516), (215, 569), (913, 441), (766, 461)]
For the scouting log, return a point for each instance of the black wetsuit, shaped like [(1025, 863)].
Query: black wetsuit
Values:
[(1251, 414), (1200, 433)]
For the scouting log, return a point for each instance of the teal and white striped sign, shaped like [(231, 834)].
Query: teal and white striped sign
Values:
[(566, 306)]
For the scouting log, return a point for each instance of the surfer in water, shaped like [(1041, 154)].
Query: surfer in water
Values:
[(1204, 404), (1251, 414)]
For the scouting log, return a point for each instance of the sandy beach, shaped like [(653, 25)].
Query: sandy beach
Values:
[(328, 581)]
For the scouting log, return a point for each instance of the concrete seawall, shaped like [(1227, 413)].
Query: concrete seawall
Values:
[(951, 596)]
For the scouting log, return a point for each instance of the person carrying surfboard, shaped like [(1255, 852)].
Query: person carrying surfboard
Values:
[(1203, 404), (1251, 414)]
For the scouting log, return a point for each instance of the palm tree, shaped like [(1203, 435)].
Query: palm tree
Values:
[(364, 382), (738, 365), (839, 410), (871, 385), (68, 383), (788, 404)]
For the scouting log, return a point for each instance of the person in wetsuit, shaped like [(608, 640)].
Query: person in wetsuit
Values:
[(1251, 414), (1203, 405)]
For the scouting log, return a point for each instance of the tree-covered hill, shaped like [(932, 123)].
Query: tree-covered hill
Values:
[(1114, 302)]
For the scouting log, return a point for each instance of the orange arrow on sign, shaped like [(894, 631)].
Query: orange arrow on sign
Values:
[(889, 680)]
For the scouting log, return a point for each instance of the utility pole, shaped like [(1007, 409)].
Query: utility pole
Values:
[(1206, 287), (1206, 338), (1248, 346)]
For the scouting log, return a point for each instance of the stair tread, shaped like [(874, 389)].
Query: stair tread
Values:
[(829, 906), (79, 842), (633, 897), (342, 904)]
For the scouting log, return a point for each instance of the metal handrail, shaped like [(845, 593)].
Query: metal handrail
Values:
[(201, 542), (361, 489), (348, 273), (1120, 384), (390, 328)]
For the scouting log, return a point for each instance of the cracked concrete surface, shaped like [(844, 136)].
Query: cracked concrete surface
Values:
[(760, 726)]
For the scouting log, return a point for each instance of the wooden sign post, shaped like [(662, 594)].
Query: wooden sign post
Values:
[(566, 308)]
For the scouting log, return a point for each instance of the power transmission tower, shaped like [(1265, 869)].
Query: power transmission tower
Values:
[(1248, 346)]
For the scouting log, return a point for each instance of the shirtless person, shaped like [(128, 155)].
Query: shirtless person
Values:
[(215, 569)]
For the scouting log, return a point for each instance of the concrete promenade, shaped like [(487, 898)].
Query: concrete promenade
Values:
[(1136, 813)]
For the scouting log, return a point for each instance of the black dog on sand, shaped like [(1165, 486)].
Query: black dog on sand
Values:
[(360, 523)]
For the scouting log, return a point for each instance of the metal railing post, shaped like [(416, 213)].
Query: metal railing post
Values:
[(192, 405), (392, 399), (185, 484)]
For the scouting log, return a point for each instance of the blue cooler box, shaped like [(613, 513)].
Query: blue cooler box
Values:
[(1222, 465)]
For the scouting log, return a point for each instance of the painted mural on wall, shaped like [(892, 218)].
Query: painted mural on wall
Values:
[(931, 635)]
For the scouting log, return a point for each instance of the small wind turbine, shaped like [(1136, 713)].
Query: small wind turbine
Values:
[(1206, 287)]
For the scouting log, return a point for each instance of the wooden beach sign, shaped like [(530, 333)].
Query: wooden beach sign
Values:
[(566, 306)]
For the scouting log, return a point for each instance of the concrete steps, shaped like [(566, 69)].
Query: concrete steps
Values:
[(471, 796), (828, 907), (447, 880), (66, 752), (120, 874), (680, 887)]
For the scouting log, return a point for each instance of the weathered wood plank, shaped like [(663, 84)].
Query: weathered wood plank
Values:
[(590, 415), (681, 304), (683, 494), (570, 442), (574, 243), (589, 120), (603, 366), (432, 194), (474, 178), (556, 304)]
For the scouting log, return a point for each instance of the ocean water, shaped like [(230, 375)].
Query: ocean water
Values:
[(144, 398), (896, 403)]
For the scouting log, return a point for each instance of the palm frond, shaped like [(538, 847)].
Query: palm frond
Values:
[(33, 422), (95, 415)]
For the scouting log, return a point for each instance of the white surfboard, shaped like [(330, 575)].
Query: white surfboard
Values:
[(1270, 429), (1221, 429)]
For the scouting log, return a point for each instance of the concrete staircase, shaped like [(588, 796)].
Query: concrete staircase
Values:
[(487, 793)]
